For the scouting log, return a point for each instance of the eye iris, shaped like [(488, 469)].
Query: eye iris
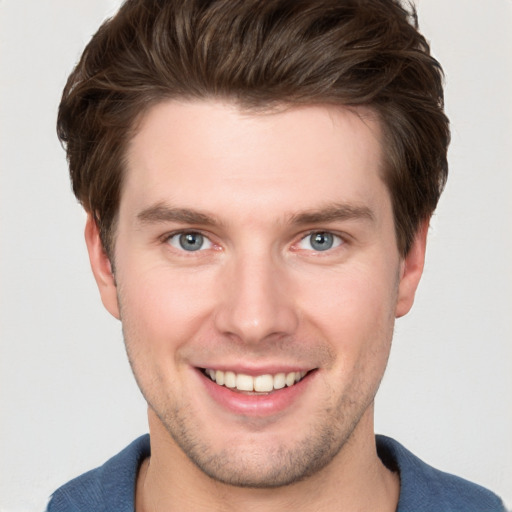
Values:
[(321, 241), (191, 241)]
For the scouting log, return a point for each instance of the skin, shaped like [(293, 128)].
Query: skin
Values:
[(257, 296)]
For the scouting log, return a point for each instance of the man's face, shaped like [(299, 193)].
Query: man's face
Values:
[(257, 278)]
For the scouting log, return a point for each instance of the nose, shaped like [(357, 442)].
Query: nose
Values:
[(255, 301)]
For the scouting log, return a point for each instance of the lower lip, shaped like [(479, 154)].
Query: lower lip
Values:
[(256, 405)]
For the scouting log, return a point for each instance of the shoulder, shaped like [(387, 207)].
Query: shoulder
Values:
[(426, 489), (110, 485)]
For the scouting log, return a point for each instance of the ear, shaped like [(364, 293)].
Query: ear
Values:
[(411, 271), (101, 267)]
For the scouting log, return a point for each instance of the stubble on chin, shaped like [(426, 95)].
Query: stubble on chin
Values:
[(255, 464)]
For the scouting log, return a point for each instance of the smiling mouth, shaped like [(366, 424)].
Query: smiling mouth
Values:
[(258, 384)]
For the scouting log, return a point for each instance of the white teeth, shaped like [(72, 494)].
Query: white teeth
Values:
[(279, 381), (244, 382), (229, 380), (219, 377), (261, 383), (290, 379)]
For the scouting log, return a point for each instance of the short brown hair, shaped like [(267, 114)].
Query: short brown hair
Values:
[(258, 53)]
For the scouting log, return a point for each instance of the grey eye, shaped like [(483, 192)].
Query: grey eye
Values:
[(320, 241), (190, 241)]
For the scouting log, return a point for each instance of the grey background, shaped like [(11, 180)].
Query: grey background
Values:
[(67, 398)]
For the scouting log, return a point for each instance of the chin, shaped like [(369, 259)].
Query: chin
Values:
[(259, 459)]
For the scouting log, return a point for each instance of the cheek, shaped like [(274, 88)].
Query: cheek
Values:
[(161, 310), (354, 308), (358, 322), (160, 314)]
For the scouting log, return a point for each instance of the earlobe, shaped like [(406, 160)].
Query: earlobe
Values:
[(101, 267), (411, 271)]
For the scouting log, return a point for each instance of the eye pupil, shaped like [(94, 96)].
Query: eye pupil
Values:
[(191, 241), (321, 241)]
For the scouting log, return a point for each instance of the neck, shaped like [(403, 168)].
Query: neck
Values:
[(354, 480)]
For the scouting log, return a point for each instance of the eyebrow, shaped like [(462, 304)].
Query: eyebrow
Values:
[(331, 213), (163, 213)]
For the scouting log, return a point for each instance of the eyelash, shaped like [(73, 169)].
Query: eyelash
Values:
[(337, 239), (168, 239)]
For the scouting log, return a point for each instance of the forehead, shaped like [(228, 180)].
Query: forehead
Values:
[(204, 153)]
